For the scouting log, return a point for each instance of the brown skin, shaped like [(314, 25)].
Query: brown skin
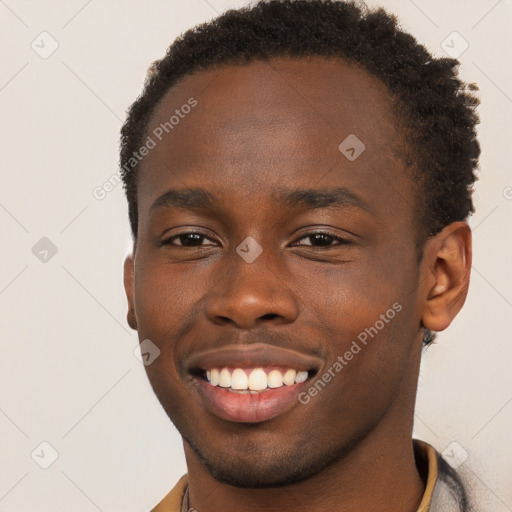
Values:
[(257, 129)]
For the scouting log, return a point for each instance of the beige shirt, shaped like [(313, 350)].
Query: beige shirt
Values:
[(177, 499)]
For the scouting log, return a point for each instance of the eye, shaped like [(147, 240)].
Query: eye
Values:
[(197, 239), (187, 239), (323, 239)]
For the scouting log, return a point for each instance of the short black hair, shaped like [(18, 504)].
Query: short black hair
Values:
[(435, 109)]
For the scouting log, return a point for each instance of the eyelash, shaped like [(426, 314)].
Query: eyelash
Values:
[(336, 238)]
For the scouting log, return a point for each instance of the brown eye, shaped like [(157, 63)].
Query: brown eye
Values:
[(192, 239), (323, 240)]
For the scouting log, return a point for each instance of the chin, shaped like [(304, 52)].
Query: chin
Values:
[(256, 470)]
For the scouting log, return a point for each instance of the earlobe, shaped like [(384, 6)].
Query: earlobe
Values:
[(446, 269), (129, 267)]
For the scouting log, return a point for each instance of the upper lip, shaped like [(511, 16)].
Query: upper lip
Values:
[(252, 356)]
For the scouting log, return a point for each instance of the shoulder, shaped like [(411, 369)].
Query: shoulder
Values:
[(451, 490), (447, 489)]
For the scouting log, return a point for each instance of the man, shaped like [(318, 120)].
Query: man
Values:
[(299, 176)]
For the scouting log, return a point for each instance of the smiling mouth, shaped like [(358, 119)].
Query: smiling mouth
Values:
[(250, 383), (250, 395), (254, 380)]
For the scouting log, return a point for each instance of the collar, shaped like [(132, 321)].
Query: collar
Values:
[(426, 462)]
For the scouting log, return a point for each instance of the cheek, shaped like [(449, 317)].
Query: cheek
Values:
[(351, 298), (165, 313), (367, 317), (164, 299), (367, 361), (164, 305)]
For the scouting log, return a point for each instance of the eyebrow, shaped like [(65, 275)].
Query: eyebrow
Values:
[(188, 198), (313, 199), (310, 199)]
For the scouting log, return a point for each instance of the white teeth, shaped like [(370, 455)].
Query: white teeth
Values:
[(239, 379), (301, 377), (289, 377), (214, 377), (225, 378), (275, 379), (258, 380)]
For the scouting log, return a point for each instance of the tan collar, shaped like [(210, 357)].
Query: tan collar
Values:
[(426, 455), (173, 501)]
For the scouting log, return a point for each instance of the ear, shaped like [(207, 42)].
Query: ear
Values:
[(446, 267), (129, 267)]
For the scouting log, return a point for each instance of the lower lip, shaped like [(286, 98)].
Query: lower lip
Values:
[(249, 407)]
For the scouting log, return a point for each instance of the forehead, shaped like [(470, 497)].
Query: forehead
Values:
[(258, 125)]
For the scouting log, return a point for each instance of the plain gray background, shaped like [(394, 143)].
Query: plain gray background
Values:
[(68, 373)]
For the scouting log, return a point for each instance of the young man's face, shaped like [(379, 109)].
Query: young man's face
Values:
[(257, 134)]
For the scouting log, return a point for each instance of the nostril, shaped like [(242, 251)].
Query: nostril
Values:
[(269, 316)]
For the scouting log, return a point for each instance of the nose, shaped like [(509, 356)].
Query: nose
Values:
[(249, 294)]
